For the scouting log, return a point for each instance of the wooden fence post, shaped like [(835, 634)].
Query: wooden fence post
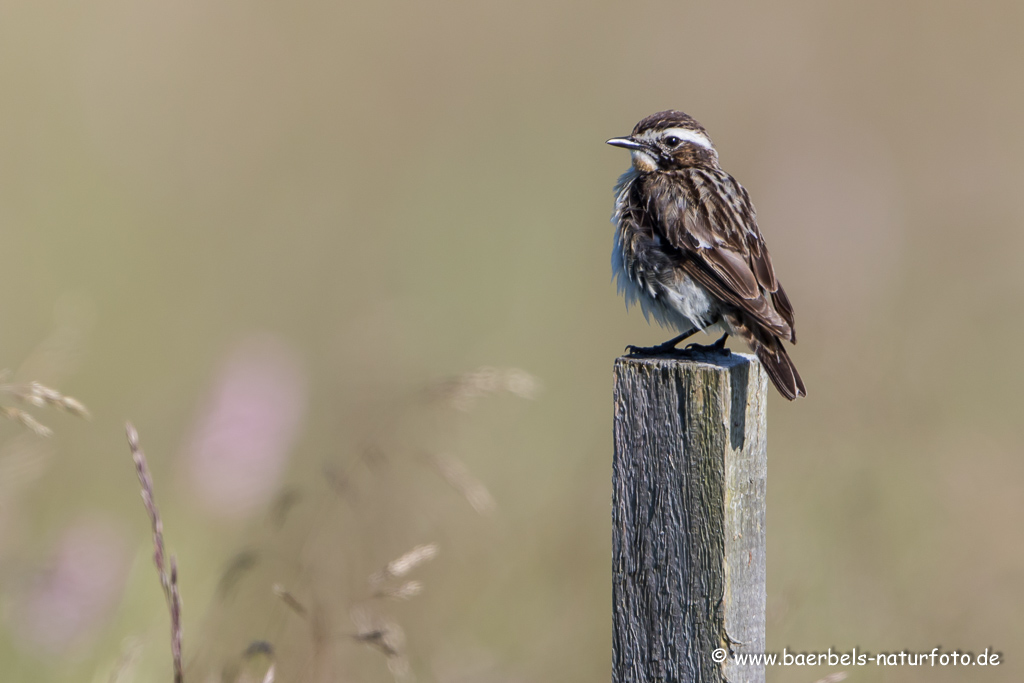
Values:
[(688, 518)]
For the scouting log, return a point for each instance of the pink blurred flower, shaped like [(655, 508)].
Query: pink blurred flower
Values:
[(241, 444), (75, 592)]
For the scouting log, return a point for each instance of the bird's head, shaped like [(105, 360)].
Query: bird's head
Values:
[(667, 141)]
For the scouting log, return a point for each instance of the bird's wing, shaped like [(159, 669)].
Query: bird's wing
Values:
[(716, 226)]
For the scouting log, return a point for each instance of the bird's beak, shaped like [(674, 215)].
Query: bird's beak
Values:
[(627, 143)]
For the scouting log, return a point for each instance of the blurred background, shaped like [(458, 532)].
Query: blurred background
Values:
[(346, 267)]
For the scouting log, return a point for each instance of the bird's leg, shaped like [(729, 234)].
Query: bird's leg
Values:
[(665, 348), (718, 347)]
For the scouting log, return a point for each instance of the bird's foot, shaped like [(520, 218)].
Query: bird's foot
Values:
[(666, 349), (718, 348)]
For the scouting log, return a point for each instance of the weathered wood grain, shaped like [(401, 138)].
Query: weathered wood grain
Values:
[(688, 538)]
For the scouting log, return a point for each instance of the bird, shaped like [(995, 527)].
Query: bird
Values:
[(688, 249)]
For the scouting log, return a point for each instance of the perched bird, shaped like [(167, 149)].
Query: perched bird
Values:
[(688, 249)]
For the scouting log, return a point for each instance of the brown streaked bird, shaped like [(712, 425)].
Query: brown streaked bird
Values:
[(688, 249)]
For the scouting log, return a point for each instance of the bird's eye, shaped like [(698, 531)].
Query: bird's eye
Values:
[(672, 141)]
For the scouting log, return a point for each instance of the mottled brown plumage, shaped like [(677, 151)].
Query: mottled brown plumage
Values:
[(688, 249)]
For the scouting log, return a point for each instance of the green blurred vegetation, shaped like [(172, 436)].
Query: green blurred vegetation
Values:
[(398, 192)]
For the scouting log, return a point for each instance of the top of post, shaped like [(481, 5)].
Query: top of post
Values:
[(701, 358)]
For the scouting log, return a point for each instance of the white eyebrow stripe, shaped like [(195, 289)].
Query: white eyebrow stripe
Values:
[(689, 136)]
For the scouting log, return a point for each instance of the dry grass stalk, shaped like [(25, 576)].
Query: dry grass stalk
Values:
[(464, 390), (834, 678), (239, 565), (35, 394), (39, 396), (455, 472), (374, 629), (290, 600), (385, 636), (168, 581), (260, 649), (26, 420), (405, 591), (401, 566)]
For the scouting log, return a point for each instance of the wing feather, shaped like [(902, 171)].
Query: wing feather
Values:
[(715, 225)]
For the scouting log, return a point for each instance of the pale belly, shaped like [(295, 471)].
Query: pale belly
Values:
[(676, 302)]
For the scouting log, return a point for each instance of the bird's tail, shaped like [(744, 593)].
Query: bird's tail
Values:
[(777, 362), (770, 352)]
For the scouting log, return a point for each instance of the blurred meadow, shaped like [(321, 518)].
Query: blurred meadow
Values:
[(287, 240)]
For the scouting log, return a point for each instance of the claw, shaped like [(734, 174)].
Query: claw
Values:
[(664, 349), (639, 350), (659, 350), (718, 347)]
